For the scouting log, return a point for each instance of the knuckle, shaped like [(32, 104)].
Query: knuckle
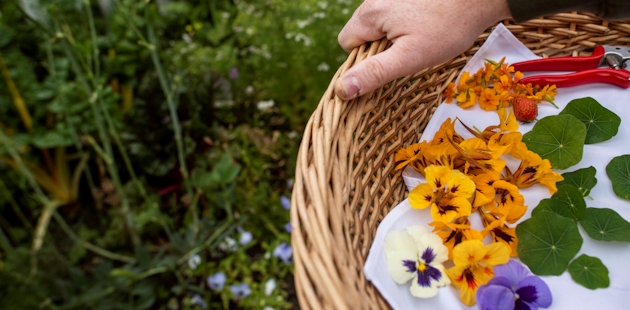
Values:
[(375, 72)]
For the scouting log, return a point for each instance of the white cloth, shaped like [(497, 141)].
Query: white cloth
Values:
[(566, 293)]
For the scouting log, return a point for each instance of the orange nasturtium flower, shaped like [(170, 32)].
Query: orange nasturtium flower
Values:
[(500, 232), (455, 233), (533, 169), (474, 266), (447, 192), (449, 92), (489, 100)]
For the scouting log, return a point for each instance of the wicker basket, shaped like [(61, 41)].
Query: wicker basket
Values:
[(345, 183)]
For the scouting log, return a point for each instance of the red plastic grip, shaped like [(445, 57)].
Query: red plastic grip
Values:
[(562, 63), (620, 78)]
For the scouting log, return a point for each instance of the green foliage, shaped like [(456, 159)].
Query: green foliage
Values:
[(214, 91), (567, 201), (601, 123), (618, 171), (559, 138), (606, 225), (548, 242), (590, 272), (584, 179)]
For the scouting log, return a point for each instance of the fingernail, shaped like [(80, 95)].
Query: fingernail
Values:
[(350, 87)]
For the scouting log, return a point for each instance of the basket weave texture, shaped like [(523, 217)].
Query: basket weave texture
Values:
[(345, 182)]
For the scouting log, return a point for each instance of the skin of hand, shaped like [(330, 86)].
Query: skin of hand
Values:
[(424, 33)]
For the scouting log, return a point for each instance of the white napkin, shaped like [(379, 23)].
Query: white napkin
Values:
[(566, 293)]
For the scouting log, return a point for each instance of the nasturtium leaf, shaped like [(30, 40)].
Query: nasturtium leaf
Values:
[(559, 138), (590, 272), (618, 171), (556, 206), (605, 225), (567, 201), (584, 179), (601, 123), (547, 242)]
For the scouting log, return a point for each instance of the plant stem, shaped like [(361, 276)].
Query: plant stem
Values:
[(100, 251), (111, 166), (16, 208)]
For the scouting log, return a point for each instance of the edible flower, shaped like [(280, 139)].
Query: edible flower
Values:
[(416, 254), (446, 192), (474, 264), (513, 287)]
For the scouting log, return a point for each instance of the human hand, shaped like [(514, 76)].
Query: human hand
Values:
[(424, 33)]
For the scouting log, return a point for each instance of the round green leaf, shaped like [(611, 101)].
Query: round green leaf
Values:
[(584, 179), (556, 206), (590, 272), (601, 123), (605, 225), (567, 201), (618, 171), (547, 242), (559, 138)]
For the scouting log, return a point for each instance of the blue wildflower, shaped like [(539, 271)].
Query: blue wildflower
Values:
[(240, 290), (196, 300), (216, 281), (246, 237), (288, 227), (284, 252), (286, 202), (513, 287)]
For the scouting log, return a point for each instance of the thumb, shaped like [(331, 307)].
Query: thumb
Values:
[(376, 71)]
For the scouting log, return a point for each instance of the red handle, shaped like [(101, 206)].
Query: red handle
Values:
[(562, 63), (619, 78)]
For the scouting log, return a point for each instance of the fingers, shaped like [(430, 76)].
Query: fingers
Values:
[(376, 71), (357, 31)]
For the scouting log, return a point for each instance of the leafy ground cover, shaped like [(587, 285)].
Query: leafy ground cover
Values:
[(147, 148)]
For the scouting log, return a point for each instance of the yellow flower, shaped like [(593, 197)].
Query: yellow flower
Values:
[(500, 232), (474, 266), (488, 100), (410, 156), (533, 169), (509, 203), (548, 93), (455, 233), (479, 158), (504, 84), (446, 192), (466, 99), (484, 191)]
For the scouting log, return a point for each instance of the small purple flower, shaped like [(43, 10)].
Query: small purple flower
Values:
[(284, 252), (286, 202), (196, 300), (216, 281), (288, 227), (234, 74), (240, 290), (513, 287)]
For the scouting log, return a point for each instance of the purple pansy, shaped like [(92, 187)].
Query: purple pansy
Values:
[(513, 287), (216, 281), (240, 290), (284, 252), (286, 202)]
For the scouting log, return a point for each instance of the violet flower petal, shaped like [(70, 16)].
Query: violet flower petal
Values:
[(534, 291), (502, 281), (495, 297), (285, 202), (513, 271)]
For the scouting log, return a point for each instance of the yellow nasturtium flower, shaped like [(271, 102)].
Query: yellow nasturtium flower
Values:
[(455, 233), (447, 193), (474, 266), (500, 232)]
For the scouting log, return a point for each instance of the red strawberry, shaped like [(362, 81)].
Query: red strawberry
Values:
[(525, 109)]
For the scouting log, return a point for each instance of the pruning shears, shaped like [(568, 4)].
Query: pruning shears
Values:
[(607, 64)]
